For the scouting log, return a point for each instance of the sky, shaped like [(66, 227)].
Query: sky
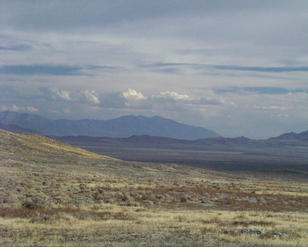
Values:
[(237, 67)]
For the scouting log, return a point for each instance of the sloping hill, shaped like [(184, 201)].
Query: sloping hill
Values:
[(49, 173), (52, 194), (120, 127), (28, 147)]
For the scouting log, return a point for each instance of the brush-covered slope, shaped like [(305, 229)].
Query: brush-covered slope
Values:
[(35, 147), (48, 173), (33, 169), (120, 127), (56, 195)]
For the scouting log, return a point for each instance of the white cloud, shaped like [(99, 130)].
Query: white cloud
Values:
[(14, 108), (272, 107), (31, 109), (62, 94), (132, 94), (4, 108), (174, 95), (91, 97), (56, 93)]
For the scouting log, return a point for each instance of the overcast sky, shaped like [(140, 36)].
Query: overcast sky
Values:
[(237, 67)]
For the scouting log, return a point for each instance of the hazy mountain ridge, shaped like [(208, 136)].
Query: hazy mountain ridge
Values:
[(112, 131), (147, 140), (239, 153), (120, 127), (292, 135), (17, 129)]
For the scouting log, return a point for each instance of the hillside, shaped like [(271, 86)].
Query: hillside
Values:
[(120, 127), (53, 194)]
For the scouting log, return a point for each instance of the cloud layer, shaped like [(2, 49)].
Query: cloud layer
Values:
[(238, 67)]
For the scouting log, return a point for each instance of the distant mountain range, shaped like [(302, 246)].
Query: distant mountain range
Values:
[(218, 143), (120, 127), (288, 151), (187, 144)]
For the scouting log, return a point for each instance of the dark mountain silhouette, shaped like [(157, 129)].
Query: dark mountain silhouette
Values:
[(218, 143), (17, 129), (120, 127), (292, 136)]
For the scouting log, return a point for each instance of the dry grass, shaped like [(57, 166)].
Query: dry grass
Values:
[(52, 194)]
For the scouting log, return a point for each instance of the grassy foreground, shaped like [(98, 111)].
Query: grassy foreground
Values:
[(52, 194)]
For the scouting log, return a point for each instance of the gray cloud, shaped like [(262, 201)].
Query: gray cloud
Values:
[(99, 67), (112, 100), (76, 13), (260, 90), (176, 67), (7, 91), (41, 69), (206, 101), (262, 69), (242, 64), (51, 69), (15, 48)]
